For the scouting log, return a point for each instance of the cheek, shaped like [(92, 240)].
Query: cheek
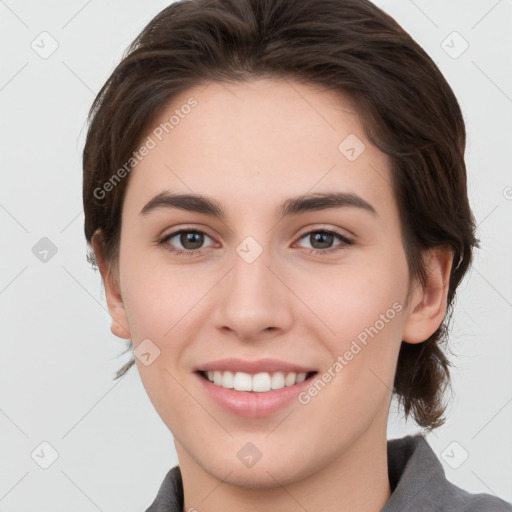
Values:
[(156, 295), (351, 298), (360, 311), (358, 379)]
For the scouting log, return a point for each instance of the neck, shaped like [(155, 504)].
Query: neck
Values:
[(355, 481)]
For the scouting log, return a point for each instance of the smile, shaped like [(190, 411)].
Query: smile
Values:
[(259, 383)]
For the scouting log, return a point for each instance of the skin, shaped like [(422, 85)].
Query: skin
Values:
[(250, 146)]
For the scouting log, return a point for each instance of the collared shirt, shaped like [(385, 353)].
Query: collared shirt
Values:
[(417, 479)]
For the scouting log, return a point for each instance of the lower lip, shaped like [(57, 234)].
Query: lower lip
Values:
[(253, 404)]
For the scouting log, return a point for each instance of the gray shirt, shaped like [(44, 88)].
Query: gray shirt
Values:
[(416, 477)]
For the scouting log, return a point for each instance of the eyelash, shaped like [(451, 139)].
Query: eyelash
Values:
[(197, 252)]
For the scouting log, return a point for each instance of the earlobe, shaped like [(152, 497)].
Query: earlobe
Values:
[(119, 325), (428, 301)]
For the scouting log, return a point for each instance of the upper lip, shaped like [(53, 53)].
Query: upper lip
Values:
[(261, 365)]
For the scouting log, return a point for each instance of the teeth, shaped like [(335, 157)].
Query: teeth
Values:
[(301, 377), (242, 382), (260, 382), (290, 379), (228, 380), (277, 380)]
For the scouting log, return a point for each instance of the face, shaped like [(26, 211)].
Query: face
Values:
[(304, 271)]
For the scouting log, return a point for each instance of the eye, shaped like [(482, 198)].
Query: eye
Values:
[(190, 240), (321, 241)]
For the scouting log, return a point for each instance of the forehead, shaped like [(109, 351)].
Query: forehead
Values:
[(262, 140)]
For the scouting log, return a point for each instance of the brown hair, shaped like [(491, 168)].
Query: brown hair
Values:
[(350, 46)]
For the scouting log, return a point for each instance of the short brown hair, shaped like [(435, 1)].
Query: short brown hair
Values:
[(352, 47)]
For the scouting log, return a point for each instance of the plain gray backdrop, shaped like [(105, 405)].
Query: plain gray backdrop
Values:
[(73, 439)]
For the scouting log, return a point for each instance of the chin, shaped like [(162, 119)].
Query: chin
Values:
[(273, 472)]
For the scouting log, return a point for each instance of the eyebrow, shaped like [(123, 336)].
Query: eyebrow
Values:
[(292, 206)]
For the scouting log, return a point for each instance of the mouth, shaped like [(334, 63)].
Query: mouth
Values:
[(262, 382), (254, 388)]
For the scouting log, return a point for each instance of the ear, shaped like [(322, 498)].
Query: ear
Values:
[(110, 277), (428, 301)]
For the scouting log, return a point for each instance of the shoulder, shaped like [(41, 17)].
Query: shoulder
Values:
[(418, 482), (170, 493)]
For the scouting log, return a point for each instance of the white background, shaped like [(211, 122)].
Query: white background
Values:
[(57, 353)]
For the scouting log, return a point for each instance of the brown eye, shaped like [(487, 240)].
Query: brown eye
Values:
[(184, 241), (323, 241), (191, 240)]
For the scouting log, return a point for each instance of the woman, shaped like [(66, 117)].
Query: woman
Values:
[(275, 194)]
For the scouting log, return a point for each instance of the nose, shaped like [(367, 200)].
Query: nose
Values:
[(253, 301)]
